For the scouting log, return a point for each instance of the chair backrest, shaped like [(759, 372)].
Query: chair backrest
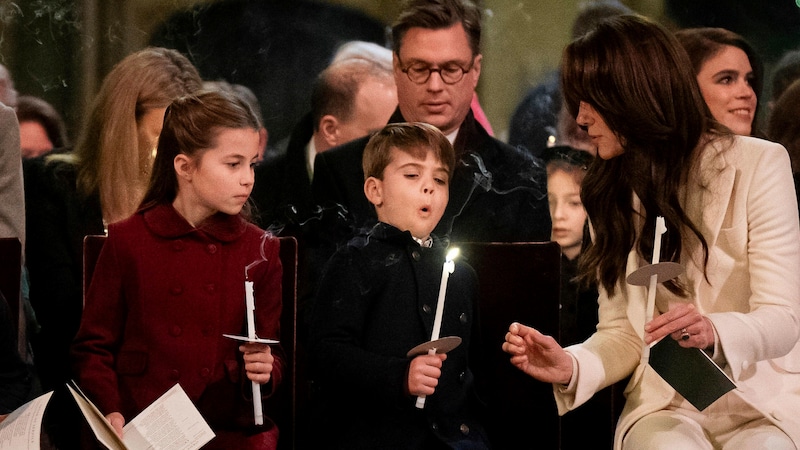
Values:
[(517, 282), (284, 403), (11, 277)]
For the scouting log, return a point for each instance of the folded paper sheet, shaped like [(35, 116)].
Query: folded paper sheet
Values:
[(170, 423), (690, 372)]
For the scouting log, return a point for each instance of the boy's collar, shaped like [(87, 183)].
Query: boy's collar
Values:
[(384, 230), (427, 242)]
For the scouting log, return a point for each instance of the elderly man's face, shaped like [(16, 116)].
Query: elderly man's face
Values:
[(436, 102)]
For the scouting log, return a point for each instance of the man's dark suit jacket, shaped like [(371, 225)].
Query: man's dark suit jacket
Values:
[(282, 190), (497, 193), (283, 204)]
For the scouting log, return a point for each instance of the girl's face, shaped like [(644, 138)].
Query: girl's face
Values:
[(725, 81), (603, 139), (218, 179), (566, 212)]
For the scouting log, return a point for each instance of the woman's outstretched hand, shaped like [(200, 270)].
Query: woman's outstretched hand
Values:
[(538, 355)]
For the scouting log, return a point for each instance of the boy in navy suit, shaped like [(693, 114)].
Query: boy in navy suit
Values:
[(377, 300)]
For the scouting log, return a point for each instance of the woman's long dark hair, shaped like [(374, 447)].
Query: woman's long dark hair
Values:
[(639, 79)]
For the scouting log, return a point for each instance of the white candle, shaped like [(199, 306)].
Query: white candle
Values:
[(448, 268), (661, 228), (651, 290), (250, 305)]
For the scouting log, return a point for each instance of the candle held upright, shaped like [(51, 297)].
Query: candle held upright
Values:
[(250, 306), (448, 267)]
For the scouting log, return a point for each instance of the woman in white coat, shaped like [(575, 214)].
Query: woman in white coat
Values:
[(732, 223)]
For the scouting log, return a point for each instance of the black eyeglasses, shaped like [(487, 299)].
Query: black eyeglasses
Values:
[(451, 73)]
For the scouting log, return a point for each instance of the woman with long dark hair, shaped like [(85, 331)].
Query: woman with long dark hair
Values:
[(629, 83)]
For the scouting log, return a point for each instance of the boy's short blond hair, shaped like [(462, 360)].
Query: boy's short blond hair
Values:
[(413, 138)]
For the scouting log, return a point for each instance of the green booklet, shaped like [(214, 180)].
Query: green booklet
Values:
[(691, 372)]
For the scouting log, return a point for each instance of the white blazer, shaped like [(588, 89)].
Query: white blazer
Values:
[(742, 198)]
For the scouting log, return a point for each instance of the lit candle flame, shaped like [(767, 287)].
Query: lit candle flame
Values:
[(452, 254)]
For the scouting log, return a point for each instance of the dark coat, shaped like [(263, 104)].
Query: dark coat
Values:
[(282, 189), (284, 205), (535, 118), (57, 220), (162, 295), (578, 312), (497, 193), (377, 300), (16, 378)]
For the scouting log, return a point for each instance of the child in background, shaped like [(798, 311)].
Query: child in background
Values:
[(566, 167), (170, 281), (376, 301)]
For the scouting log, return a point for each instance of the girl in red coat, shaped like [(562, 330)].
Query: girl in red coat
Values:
[(170, 282)]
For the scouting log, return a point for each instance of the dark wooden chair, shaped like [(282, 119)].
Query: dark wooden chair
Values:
[(282, 407), (10, 278), (286, 401), (517, 282), (520, 282)]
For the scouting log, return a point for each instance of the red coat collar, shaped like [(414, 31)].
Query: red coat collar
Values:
[(163, 220)]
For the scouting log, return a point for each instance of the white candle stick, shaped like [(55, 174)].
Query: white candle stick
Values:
[(448, 268), (661, 228), (251, 308), (250, 305)]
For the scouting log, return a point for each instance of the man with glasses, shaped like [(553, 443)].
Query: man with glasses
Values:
[(497, 193)]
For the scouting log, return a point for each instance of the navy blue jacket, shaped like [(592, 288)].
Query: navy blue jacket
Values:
[(376, 301)]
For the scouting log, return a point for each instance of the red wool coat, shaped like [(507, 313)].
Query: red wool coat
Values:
[(162, 295)]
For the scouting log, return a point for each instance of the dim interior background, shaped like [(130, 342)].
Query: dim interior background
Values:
[(60, 50)]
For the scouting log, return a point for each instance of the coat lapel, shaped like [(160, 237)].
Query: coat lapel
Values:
[(712, 187), (713, 183)]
